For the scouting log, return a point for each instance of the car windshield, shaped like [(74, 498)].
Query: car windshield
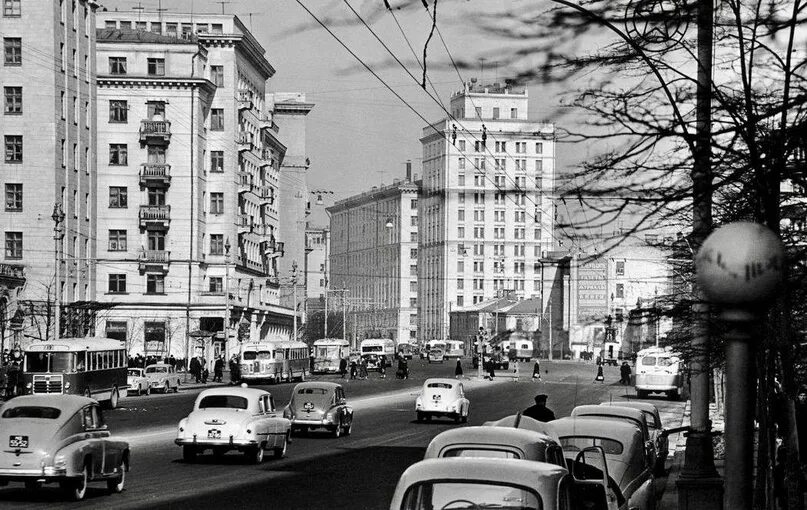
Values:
[(47, 413), (435, 352), (577, 443), (136, 373), (312, 391), (39, 362), (445, 386), (223, 401), (476, 495), (481, 452), (156, 370)]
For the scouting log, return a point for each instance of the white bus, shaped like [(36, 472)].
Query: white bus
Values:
[(520, 348), (373, 348), (454, 349), (276, 361), (405, 350), (658, 370), (328, 352)]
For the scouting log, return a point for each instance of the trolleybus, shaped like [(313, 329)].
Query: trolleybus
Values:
[(658, 370), (274, 361), (328, 352)]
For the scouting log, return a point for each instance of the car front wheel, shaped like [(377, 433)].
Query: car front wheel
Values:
[(115, 485), (337, 431), (349, 428)]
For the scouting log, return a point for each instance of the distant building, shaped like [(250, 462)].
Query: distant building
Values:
[(49, 133), (197, 161), (487, 206), (318, 241), (374, 256)]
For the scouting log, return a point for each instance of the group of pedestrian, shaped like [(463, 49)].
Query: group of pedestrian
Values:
[(140, 361), (11, 381), (198, 369)]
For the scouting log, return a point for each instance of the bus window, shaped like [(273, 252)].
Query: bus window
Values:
[(648, 361), (61, 362), (81, 361), (36, 362)]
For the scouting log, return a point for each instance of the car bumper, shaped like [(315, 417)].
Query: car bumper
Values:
[(216, 443), (311, 423), (46, 474), (257, 377)]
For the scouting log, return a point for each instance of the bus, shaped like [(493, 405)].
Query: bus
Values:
[(518, 349), (95, 367), (454, 349), (373, 348), (405, 350), (274, 361), (328, 352), (659, 369)]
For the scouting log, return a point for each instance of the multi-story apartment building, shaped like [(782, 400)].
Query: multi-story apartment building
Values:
[(189, 184), (374, 257), (318, 241), (48, 131), (487, 206)]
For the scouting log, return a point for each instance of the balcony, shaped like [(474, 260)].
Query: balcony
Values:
[(244, 224), (272, 248), (266, 122), (266, 158), (155, 216), (244, 99), (154, 260), (244, 141), (155, 132), (152, 175), (265, 195), (244, 182)]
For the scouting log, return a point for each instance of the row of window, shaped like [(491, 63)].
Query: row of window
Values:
[(169, 28), (118, 241), (155, 284), (119, 198), (498, 233), (481, 146), (500, 165), (498, 215)]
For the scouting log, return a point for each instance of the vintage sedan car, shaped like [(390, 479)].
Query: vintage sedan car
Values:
[(319, 405), (234, 418), (519, 421), (496, 442), (163, 377), (626, 414), (60, 438), (624, 449), (658, 435), (437, 356), (479, 483), (138, 382), (442, 397)]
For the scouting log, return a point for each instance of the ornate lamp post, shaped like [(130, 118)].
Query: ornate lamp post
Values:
[(58, 235), (227, 247), (739, 266)]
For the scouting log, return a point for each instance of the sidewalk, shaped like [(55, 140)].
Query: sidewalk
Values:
[(669, 499)]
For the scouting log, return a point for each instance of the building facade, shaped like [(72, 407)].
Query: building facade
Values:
[(374, 258), (197, 270), (48, 167), (486, 214)]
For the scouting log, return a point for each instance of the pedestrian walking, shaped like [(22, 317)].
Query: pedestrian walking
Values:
[(218, 369), (624, 372), (235, 370), (343, 367), (363, 369), (536, 371), (600, 377), (205, 375), (491, 369), (382, 367), (458, 369), (539, 411), (196, 369), (353, 369)]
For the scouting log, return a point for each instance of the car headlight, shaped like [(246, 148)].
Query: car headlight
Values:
[(60, 461), (29, 386)]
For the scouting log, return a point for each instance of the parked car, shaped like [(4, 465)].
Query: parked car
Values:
[(477, 483), (442, 397), (319, 405), (625, 414), (60, 438), (519, 421), (234, 418), (138, 382), (624, 450), (163, 377), (658, 435), (496, 442)]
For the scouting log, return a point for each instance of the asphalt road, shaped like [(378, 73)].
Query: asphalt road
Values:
[(319, 472)]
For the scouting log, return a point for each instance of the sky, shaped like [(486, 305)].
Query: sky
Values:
[(360, 134)]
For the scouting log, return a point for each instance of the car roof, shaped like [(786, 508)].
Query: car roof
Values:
[(623, 432), (522, 439), (317, 384), (642, 406), (516, 471), (158, 365), (238, 391), (617, 411), (526, 423), (442, 380), (69, 404)]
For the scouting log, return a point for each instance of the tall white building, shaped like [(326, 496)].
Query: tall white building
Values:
[(486, 211), (188, 218)]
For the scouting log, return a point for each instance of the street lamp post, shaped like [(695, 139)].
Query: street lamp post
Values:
[(58, 235), (739, 266), (227, 247)]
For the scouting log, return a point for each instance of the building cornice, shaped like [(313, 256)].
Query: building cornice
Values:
[(246, 43), (292, 108), (155, 82)]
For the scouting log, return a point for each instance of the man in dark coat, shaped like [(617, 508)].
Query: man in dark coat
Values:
[(196, 369), (624, 371), (539, 411), (343, 367), (218, 369)]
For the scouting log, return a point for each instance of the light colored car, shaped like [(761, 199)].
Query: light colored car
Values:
[(138, 382), (234, 418), (437, 356), (442, 397), (625, 456), (626, 414), (479, 483), (658, 435), (60, 438), (163, 377), (496, 442), (316, 405), (519, 421)]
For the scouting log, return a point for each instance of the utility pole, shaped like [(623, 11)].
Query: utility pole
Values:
[(344, 314), (294, 287)]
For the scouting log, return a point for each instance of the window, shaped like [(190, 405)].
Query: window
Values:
[(513, 113), (414, 221), (461, 232), (217, 119), (75, 157), (155, 110), (217, 28), (217, 161), (75, 63), (11, 9), (521, 147), (117, 65), (171, 29), (413, 237), (461, 198), (462, 145), (495, 113), (141, 25), (118, 154), (216, 285), (539, 147), (118, 111), (217, 203), (157, 28), (86, 207), (413, 286), (461, 163), (117, 240), (460, 214), (461, 180), (13, 197), (217, 75), (460, 266), (413, 204), (156, 155), (460, 301), (460, 283), (156, 196), (118, 197), (413, 253), (62, 57), (156, 66), (155, 284), (75, 110), (110, 23), (13, 148), (217, 244), (63, 152), (413, 270), (117, 283), (63, 106), (620, 268), (12, 48), (620, 290), (13, 245), (13, 97)]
